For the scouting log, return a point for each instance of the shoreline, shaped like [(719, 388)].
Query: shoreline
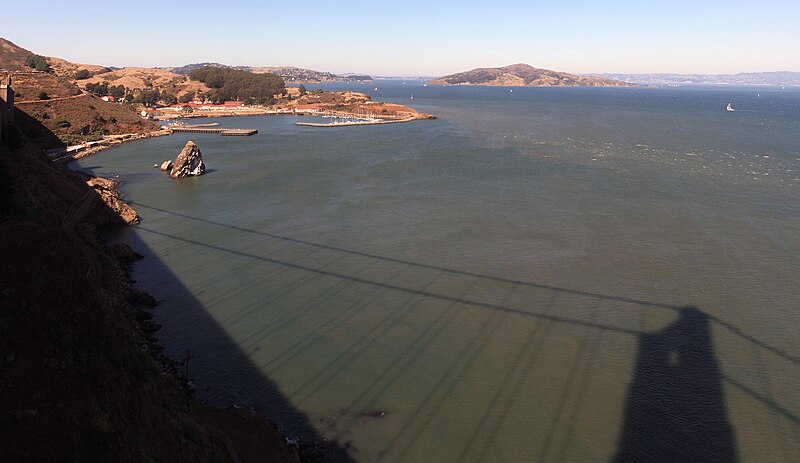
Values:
[(92, 332), (109, 142)]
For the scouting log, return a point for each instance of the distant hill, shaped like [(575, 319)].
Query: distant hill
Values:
[(290, 74), (524, 75), (191, 67), (13, 58), (293, 74), (744, 78)]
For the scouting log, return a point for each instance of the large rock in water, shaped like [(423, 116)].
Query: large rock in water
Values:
[(189, 162)]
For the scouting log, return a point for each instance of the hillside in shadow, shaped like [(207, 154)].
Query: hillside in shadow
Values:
[(80, 369)]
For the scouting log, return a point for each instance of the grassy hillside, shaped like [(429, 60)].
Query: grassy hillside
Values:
[(141, 78), (79, 119)]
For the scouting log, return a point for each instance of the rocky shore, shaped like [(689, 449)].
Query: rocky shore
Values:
[(81, 370)]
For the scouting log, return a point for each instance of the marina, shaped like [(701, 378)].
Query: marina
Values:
[(349, 123), (347, 119)]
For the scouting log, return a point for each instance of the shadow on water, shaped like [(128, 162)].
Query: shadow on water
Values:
[(675, 410), (229, 357)]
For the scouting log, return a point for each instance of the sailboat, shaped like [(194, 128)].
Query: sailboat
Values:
[(412, 96), (729, 108)]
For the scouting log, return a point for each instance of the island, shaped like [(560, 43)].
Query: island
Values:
[(525, 75)]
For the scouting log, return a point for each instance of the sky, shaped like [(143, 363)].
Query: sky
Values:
[(425, 38)]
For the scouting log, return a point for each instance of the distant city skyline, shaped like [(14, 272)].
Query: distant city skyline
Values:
[(420, 38)]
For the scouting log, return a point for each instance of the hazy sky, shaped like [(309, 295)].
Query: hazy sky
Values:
[(419, 37)]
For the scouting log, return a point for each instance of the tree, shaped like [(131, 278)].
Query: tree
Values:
[(38, 62), (233, 84), (302, 89), (117, 91), (98, 89), (82, 74), (168, 98), (148, 97), (187, 97), (44, 96)]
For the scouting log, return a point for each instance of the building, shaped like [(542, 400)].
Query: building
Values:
[(308, 109), (148, 113), (6, 105)]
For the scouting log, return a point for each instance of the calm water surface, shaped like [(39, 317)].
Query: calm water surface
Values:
[(509, 282)]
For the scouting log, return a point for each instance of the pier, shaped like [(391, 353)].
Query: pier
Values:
[(219, 130)]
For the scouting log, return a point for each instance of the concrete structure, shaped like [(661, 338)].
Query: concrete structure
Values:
[(308, 109), (148, 113), (6, 105)]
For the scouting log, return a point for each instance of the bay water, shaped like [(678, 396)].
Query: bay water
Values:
[(543, 274)]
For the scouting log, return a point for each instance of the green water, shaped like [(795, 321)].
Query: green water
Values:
[(505, 283)]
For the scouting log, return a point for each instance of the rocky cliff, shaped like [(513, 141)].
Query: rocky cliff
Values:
[(81, 378), (189, 162)]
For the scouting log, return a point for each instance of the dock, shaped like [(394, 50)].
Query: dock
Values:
[(219, 130)]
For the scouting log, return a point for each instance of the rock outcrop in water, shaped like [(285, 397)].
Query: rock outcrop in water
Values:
[(189, 162)]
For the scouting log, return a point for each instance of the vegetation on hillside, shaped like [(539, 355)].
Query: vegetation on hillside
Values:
[(38, 62), (29, 85), (53, 123), (232, 84)]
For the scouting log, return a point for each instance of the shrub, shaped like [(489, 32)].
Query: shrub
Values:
[(61, 122), (44, 96), (82, 74)]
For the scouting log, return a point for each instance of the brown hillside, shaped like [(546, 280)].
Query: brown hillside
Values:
[(79, 119), (67, 69), (28, 86), (12, 56), (141, 78)]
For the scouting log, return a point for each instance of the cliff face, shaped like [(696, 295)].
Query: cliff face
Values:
[(80, 378), (523, 75)]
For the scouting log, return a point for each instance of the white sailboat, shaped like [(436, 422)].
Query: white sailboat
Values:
[(730, 108)]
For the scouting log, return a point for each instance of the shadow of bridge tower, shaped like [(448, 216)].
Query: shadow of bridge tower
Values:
[(675, 410)]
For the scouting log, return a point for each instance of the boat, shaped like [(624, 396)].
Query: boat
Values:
[(730, 108)]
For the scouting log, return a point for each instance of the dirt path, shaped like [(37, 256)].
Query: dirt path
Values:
[(53, 99)]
